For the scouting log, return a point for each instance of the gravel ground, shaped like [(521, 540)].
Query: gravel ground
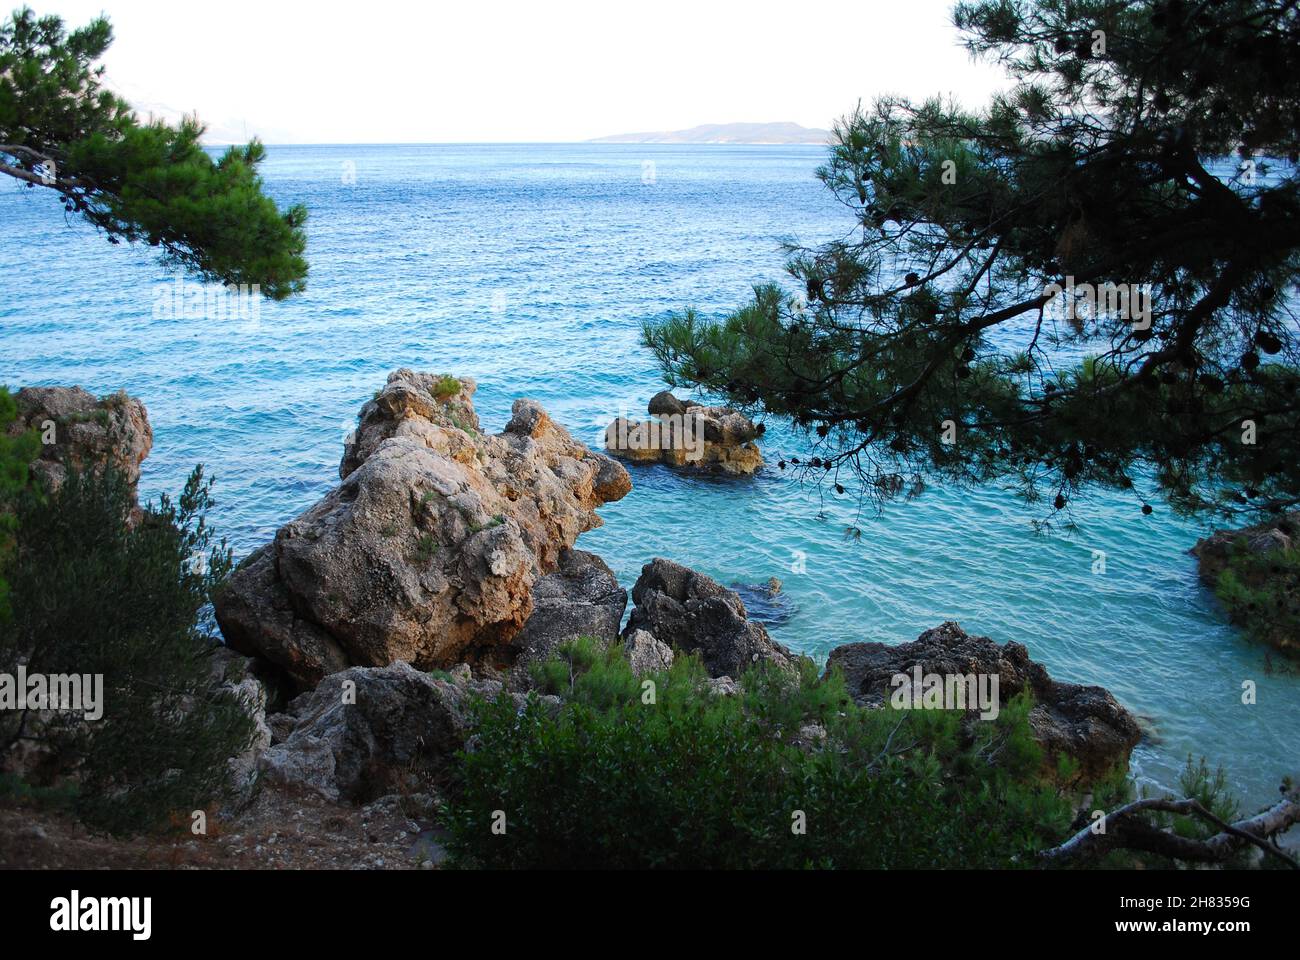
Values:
[(275, 832)]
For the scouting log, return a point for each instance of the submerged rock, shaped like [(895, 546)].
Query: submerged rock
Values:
[(429, 550), (693, 613), (767, 602), (688, 435), (1085, 723), (89, 432)]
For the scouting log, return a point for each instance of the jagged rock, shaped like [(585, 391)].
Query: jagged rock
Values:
[(580, 599), (87, 431), (243, 676), (429, 549), (683, 434), (692, 612), (370, 731), (722, 687), (1083, 722), (664, 402), (646, 653)]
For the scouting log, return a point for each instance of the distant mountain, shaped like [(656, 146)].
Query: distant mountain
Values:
[(728, 133)]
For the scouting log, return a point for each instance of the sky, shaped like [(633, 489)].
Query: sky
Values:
[(431, 71)]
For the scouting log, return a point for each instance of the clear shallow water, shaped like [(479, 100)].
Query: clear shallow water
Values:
[(531, 268)]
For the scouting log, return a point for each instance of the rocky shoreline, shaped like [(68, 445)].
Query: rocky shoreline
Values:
[(1254, 574), (444, 564)]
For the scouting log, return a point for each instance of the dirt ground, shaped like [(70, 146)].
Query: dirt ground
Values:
[(275, 832)]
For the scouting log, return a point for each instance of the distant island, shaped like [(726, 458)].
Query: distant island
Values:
[(757, 133)]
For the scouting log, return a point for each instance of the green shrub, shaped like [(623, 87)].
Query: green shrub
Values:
[(426, 548), (1261, 592), (627, 776), (15, 455), (446, 387), (93, 594)]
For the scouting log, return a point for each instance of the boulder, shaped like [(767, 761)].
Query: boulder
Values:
[(370, 731), (87, 431), (1082, 722), (664, 402), (581, 598), (429, 549), (693, 613), (690, 436), (646, 653)]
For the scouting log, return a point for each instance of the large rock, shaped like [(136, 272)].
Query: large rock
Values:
[(370, 731), (581, 598), (693, 613), (690, 436), (429, 549), (87, 431), (1085, 723)]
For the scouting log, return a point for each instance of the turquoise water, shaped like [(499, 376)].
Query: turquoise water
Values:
[(531, 268)]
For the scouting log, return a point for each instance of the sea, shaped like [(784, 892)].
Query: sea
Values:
[(531, 268)]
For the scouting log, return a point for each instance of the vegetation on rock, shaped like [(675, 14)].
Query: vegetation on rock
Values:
[(693, 779)]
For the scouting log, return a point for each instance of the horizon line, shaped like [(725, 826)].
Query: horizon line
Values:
[(600, 141)]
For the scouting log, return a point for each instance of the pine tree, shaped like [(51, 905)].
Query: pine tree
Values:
[(137, 182), (1089, 282)]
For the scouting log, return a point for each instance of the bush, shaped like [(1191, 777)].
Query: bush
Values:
[(94, 594), (627, 776), (1261, 592), (15, 455), (447, 386)]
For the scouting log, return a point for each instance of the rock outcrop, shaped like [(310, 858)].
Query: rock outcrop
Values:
[(1085, 723), (429, 550), (645, 654), (79, 428), (1213, 552), (1266, 593), (693, 613), (243, 677), (581, 598), (371, 731), (688, 435)]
